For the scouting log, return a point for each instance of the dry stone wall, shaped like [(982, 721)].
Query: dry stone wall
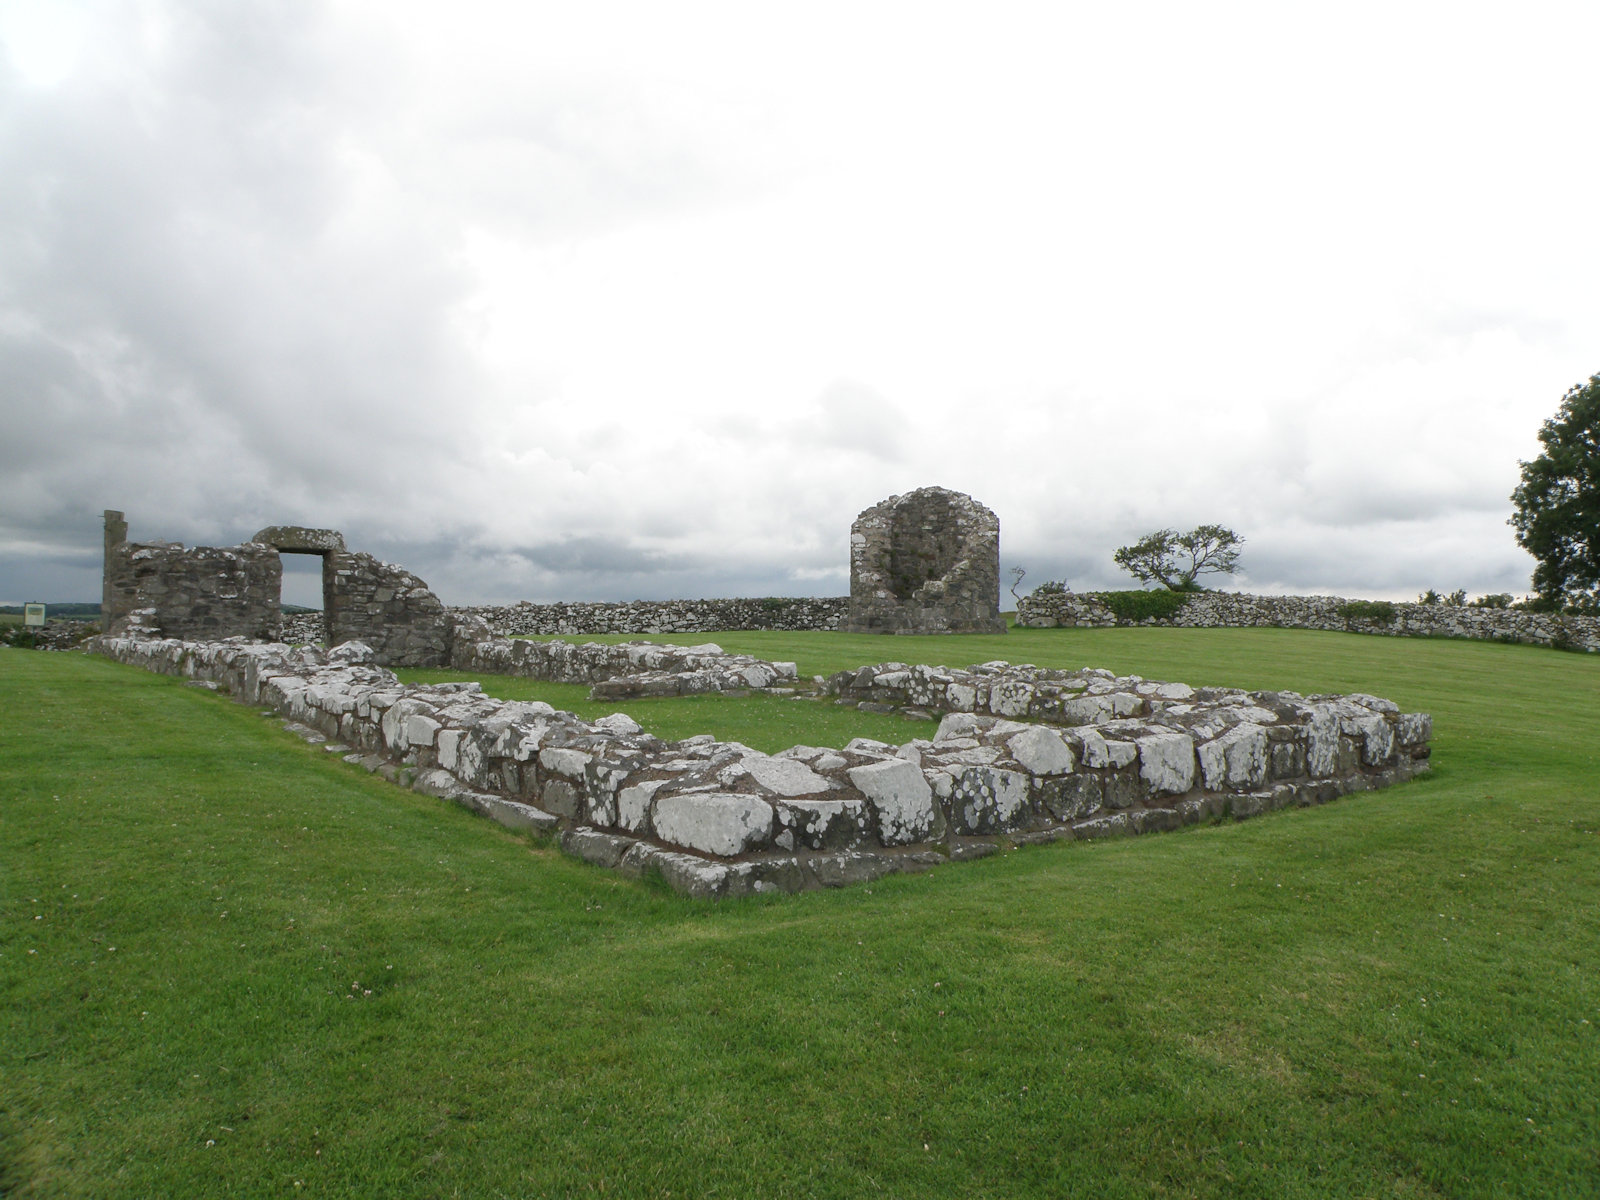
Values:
[(720, 819), (661, 616), (1230, 609), (527, 619)]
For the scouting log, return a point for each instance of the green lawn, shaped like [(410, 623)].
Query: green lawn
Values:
[(231, 965)]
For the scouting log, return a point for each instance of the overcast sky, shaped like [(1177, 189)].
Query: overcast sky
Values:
[(603, 301)]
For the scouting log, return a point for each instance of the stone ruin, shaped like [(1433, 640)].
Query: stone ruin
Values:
[(1022, 755), (209, 593), (1102, 756), (925, 562)]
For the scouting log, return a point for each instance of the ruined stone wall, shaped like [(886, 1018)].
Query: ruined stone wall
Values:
[(631, 670), (210, 593), (1232, 609), (386, 607), (719, 819), (925, 562), (117, 598), (204, 594)]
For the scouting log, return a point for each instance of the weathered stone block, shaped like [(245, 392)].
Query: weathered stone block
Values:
[(297, 539), (1166, 762), (903, 799), (1073, 797), (987, 800), (1042, 751), (724, 823)]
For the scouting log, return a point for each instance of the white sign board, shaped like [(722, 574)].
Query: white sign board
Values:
[(33, 614)]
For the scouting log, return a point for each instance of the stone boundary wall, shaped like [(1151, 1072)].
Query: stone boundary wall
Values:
[(304, 629), (720, 819), (661, 616), (634, 616), (1231, 609)]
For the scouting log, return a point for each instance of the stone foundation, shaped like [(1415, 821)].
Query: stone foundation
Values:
[(632, 670), (719, 819)]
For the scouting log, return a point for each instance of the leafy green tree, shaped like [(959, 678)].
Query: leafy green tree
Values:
[(1176, 559), (1557, 516)]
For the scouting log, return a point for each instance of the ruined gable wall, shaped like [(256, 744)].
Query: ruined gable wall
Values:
[(925, 562), (206, 593), (388, 608)]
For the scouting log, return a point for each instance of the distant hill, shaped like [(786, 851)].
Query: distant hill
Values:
[(66, 612), (91, 612)]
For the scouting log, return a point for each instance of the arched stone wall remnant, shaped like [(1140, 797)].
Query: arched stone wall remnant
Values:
[(210, 593), (925, 562)]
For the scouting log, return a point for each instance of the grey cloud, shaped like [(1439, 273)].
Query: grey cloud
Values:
[(551, 162), (852, 417), (189, 319)]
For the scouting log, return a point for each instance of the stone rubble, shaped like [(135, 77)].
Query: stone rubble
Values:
[(721, 819)]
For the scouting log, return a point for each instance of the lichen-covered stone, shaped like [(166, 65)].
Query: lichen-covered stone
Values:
[(298, 539), (722, 823), (900, 794)]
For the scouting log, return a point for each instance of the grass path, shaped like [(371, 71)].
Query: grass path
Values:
[(232, 965)]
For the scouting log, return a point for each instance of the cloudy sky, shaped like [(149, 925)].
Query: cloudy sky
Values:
[(603, 301)]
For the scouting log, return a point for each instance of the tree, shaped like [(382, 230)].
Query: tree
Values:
[(1178, 559), (1557, 515)]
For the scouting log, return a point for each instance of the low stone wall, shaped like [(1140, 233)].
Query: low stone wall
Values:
[(1231, 609), (1048, 610), (719, 819), (63, 634), (1089, 696), (631, 670), (661, 616), (304, 629)]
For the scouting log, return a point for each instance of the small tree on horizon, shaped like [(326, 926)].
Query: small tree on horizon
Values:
[(1176, 560)]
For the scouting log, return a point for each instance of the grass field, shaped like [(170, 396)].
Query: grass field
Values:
[(232, 965)]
